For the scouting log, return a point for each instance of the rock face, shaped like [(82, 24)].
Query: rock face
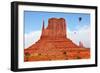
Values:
[(81, 44), (54, 44), (56, 29)]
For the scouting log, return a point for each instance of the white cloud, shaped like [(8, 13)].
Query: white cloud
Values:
[(31, 38), (82, 34)]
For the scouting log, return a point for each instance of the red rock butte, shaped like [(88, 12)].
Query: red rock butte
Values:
[(55, 45)]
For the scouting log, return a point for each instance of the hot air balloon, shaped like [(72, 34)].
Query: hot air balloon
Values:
[(74, 32), (80, 18)]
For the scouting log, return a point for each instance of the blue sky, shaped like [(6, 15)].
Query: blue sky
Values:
[(33, 20)]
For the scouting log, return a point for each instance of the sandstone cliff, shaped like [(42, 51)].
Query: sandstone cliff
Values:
[(56, 29)]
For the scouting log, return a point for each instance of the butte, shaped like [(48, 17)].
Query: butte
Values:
[(55, 45)]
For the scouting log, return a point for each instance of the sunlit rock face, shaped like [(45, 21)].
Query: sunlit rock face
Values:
[(54, 44), (56, 29)]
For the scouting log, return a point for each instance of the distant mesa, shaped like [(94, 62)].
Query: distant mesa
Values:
[(55, 45), (81, 45)]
